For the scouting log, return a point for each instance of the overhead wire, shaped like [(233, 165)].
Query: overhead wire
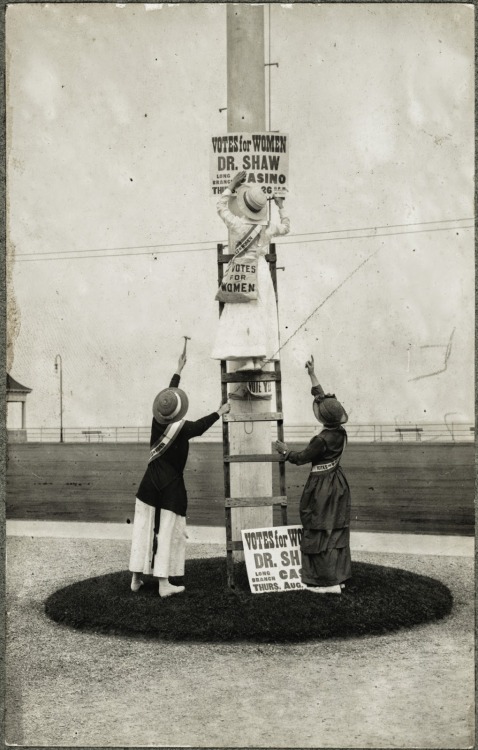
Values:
[(291, 240), (114, 255), (366, 236), (383, 226), (158, 248), (207, 242)]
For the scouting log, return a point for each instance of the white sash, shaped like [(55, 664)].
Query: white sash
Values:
[(246, 240), (161, 446), (319, 468)]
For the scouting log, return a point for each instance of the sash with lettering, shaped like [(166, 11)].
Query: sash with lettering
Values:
[(239, 283), (160, 447)]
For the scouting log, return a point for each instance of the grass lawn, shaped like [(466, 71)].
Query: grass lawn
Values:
[(377, 600)]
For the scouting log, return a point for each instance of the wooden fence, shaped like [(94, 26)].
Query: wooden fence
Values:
[(405, 486), (452, 432)]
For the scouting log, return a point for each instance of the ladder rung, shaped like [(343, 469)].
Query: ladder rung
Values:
[(271, 416), (234, 546), (253, 458), (251, 502), (250, 376), (271, 257)]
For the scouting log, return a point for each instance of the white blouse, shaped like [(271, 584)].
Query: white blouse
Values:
[(238, 225)]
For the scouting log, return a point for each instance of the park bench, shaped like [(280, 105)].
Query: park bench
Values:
[(416, 430), (89, 433)]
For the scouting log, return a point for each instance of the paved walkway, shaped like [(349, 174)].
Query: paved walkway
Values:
[(414, 544)]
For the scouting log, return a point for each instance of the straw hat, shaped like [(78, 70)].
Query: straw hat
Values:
[(329, 411), (252, 203), (170, 405)]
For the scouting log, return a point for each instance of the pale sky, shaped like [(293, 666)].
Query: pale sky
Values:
[(110, 112)]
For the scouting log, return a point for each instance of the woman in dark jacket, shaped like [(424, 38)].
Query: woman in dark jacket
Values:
[(325, 501), (158, 545)]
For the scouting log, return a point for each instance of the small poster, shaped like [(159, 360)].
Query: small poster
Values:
[(273, 558), (263, 156)]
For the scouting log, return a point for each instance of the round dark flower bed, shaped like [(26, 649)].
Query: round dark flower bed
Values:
[(376, 600)]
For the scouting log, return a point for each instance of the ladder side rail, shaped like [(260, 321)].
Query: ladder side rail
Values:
[(227, 485), (219, 274), (272, 255), (225, 445), (280, 436), (277, 369)]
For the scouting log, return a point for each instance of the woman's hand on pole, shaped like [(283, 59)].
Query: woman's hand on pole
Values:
[(224, 409)]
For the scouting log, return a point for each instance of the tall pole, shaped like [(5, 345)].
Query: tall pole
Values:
[(246, 85), (58, 357), (246, 113)]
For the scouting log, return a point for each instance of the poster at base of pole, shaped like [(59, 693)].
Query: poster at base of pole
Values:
[(263, 156), (273, 558)]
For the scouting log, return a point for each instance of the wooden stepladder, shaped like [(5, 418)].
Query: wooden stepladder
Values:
[(277, 416)]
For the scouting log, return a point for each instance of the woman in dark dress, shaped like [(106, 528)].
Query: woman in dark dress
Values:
[(325, 501), (158, 544)]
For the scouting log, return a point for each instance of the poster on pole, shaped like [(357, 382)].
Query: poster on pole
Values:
[(263, 156), (273, 558)]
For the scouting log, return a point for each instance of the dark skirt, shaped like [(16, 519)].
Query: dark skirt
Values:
[(325, 516)]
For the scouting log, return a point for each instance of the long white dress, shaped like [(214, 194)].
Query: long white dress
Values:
[(250, 329)]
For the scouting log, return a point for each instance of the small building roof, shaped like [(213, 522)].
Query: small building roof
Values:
[(13, 386)]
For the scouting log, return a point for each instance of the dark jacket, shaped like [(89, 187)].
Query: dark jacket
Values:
[(323, 448), (163, 484)]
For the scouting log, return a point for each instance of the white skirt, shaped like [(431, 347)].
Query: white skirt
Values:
[(170, 556), (250, 329)]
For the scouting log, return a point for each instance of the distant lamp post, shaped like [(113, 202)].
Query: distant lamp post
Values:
[(58, 357)]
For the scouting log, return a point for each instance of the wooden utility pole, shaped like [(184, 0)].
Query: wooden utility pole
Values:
[(246, 113), (246, 91)]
